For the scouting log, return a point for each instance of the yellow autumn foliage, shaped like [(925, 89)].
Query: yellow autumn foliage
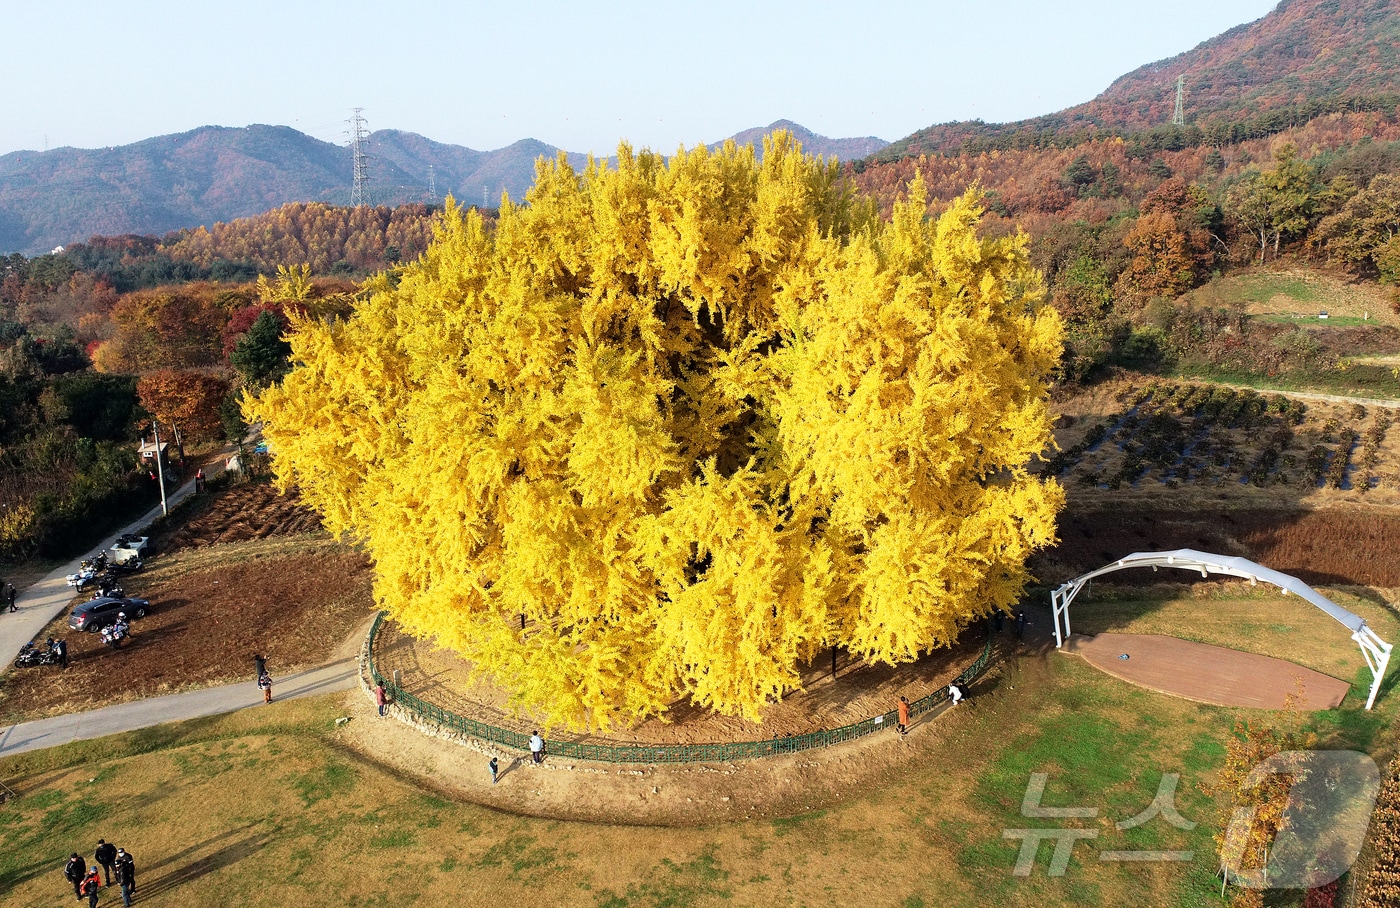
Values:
[(673, 427)]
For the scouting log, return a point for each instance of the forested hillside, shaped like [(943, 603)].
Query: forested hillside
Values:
[(1305, 59)]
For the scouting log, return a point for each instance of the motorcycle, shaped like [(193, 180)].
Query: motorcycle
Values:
[(89, 570), (31, 655), (82, 578), (107, 587), (113, 635)]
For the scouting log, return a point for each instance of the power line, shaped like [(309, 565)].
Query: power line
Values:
[(359, 135)]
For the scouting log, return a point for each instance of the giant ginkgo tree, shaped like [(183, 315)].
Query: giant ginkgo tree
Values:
[(674, 426)]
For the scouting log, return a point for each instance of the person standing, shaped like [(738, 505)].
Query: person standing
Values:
[(495, 768), (904, 715), (999, 619), (1021, 624), (265, 685), (74, 871), (106, 855), (199, 480), (259, 665), (60, 649), (536, 748), (381, 700), (92, 885), (11, 595), (126, 875)]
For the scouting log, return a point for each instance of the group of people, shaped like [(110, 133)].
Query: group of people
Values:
[(536, 756), (117, 864), (59, 648)]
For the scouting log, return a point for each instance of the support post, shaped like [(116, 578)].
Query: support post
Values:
[(160, 467)]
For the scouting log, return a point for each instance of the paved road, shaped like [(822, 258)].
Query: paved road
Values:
[(193, 704)]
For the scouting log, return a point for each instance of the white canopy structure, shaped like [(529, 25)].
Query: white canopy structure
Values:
[(1373, 648)]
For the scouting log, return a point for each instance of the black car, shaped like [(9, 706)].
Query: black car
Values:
[(99, 613)]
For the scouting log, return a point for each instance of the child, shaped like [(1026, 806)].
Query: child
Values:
[(495, 767), (265, 685)]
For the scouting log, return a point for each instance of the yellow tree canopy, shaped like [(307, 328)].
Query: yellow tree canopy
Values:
[(687, 421)]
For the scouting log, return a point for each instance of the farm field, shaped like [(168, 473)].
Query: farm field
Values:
[(236, 574), (1198, 445)]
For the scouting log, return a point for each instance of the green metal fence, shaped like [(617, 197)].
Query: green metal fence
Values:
[(661, 753)]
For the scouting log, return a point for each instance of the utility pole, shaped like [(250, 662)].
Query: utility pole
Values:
[(359, 137), (1179, 115), (160, 467)]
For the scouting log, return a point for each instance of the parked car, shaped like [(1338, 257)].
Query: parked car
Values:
[(100, 613)]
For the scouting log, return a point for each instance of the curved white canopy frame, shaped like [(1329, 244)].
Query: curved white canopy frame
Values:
[(1376, 650)]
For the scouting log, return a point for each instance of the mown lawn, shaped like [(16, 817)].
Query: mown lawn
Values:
[(269, 807)]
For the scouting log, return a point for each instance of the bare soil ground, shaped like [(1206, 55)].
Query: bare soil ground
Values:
[(293, 598), (677, 795), (858, 691), (1331, 545)]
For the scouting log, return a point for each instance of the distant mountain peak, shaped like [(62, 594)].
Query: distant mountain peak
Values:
[(848, 149)]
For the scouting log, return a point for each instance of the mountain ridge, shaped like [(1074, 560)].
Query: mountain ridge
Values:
[(1304, 58), (215, 174)]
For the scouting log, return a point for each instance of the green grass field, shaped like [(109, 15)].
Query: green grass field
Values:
[(330, 827)]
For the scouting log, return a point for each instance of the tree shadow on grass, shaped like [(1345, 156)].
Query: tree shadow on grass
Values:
[(14, 877), (226, 856)]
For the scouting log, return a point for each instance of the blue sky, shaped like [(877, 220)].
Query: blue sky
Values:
[(579, 76)]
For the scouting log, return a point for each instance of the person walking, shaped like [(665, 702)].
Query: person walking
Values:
[(74, 871), (904, 715), (199, 480), (536, 748), (126, 875), (495, 768), (265, 685), (106, 855), (11, 595), (92, 885), (1021, 624), (381, 700)]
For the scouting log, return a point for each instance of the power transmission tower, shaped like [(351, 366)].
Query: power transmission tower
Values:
[(1179, 115), (432, 184), (359, 137)]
